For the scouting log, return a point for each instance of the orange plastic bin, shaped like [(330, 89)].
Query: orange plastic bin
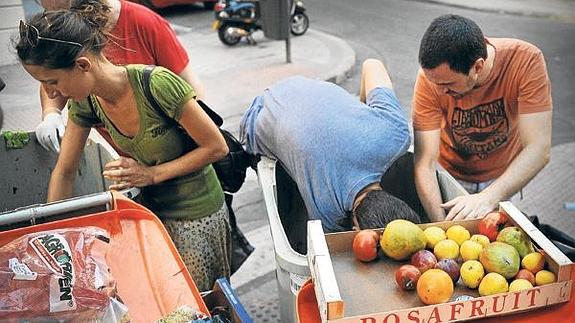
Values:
[(151, 277)]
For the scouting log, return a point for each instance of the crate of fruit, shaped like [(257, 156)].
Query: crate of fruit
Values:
[(437, 272)]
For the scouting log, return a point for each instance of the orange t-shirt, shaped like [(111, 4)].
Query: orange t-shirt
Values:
[(479, 132)]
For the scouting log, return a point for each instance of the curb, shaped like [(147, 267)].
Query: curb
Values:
[(344, 68), (247, 70)]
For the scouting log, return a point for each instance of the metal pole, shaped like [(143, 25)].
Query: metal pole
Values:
[(43, 210)]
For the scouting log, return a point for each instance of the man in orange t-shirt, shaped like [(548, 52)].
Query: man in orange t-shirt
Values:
[(482, 108)]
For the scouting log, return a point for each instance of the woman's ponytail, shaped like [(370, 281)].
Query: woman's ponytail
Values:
[(95, 12)]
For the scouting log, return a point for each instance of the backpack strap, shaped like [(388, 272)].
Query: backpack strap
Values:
[(216, 118), (146, 87)]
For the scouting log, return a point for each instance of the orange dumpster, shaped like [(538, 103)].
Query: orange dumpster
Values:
[(152, 279)]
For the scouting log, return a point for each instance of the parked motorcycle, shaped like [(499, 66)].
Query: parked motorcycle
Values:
[(238, 19)]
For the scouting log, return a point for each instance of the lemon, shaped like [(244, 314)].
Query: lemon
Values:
[(446, 249), (458, 234), (519, 284), (544, 277), (472, 273), (433, 236), (493, 283), (481, 239), (470, 250)]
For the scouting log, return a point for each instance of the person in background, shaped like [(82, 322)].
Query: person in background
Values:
[(335, 147), (138, 36), (171, 149), (482, 108)]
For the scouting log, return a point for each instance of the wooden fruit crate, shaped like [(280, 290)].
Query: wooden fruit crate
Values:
[(348, 290)]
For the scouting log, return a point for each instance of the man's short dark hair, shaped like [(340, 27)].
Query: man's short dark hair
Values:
[(378, 208), (454, 40)]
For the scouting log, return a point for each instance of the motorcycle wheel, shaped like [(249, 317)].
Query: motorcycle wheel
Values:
[(226, 37), (299, 23)]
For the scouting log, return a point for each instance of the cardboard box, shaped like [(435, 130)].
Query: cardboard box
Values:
[(348, 290), (223, 295)]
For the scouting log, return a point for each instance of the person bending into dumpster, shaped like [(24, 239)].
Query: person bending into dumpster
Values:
[(63, 50), (139, 36), (482, 108), (335, 147)]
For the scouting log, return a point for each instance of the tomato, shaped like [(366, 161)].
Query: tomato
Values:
[(365, 245), (491, 224)]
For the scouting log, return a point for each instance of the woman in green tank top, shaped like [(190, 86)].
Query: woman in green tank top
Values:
[(63, 50)]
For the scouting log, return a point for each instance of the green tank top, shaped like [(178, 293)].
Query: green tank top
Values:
[(159, 140)]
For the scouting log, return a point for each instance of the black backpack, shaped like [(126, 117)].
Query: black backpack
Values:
[(231, 169)]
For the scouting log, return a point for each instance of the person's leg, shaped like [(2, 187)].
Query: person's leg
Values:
[(204, 245)]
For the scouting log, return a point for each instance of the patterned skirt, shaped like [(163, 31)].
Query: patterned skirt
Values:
[(204, 245)]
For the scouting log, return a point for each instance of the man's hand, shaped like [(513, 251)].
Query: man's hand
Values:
[(50, 130), (469, 206), (127, 172)]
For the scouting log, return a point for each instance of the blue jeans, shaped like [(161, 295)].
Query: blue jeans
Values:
[(473, 188)]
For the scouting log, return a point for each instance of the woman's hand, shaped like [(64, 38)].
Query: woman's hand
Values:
[(127, 172)]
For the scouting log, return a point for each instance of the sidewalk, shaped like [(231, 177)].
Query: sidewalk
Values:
[(232, 76)]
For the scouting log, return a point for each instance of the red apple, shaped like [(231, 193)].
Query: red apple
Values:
[(365, 245), (423, 260), (491, 224), (527, 275), (450, 266), (407, 276)]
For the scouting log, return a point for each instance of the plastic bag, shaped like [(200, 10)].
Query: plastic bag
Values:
[(58, 275)]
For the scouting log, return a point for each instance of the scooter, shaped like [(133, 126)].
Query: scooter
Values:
[(238, 19)]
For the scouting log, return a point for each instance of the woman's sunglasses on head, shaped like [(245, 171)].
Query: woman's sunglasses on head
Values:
[(32, 35)]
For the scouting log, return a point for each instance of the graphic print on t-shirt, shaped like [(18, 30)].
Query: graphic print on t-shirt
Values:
[(481, 129)]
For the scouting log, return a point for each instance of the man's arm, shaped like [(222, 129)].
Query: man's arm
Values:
[(373, 74), (52, 126), (189, 76), (535, 133), (426, 152)]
